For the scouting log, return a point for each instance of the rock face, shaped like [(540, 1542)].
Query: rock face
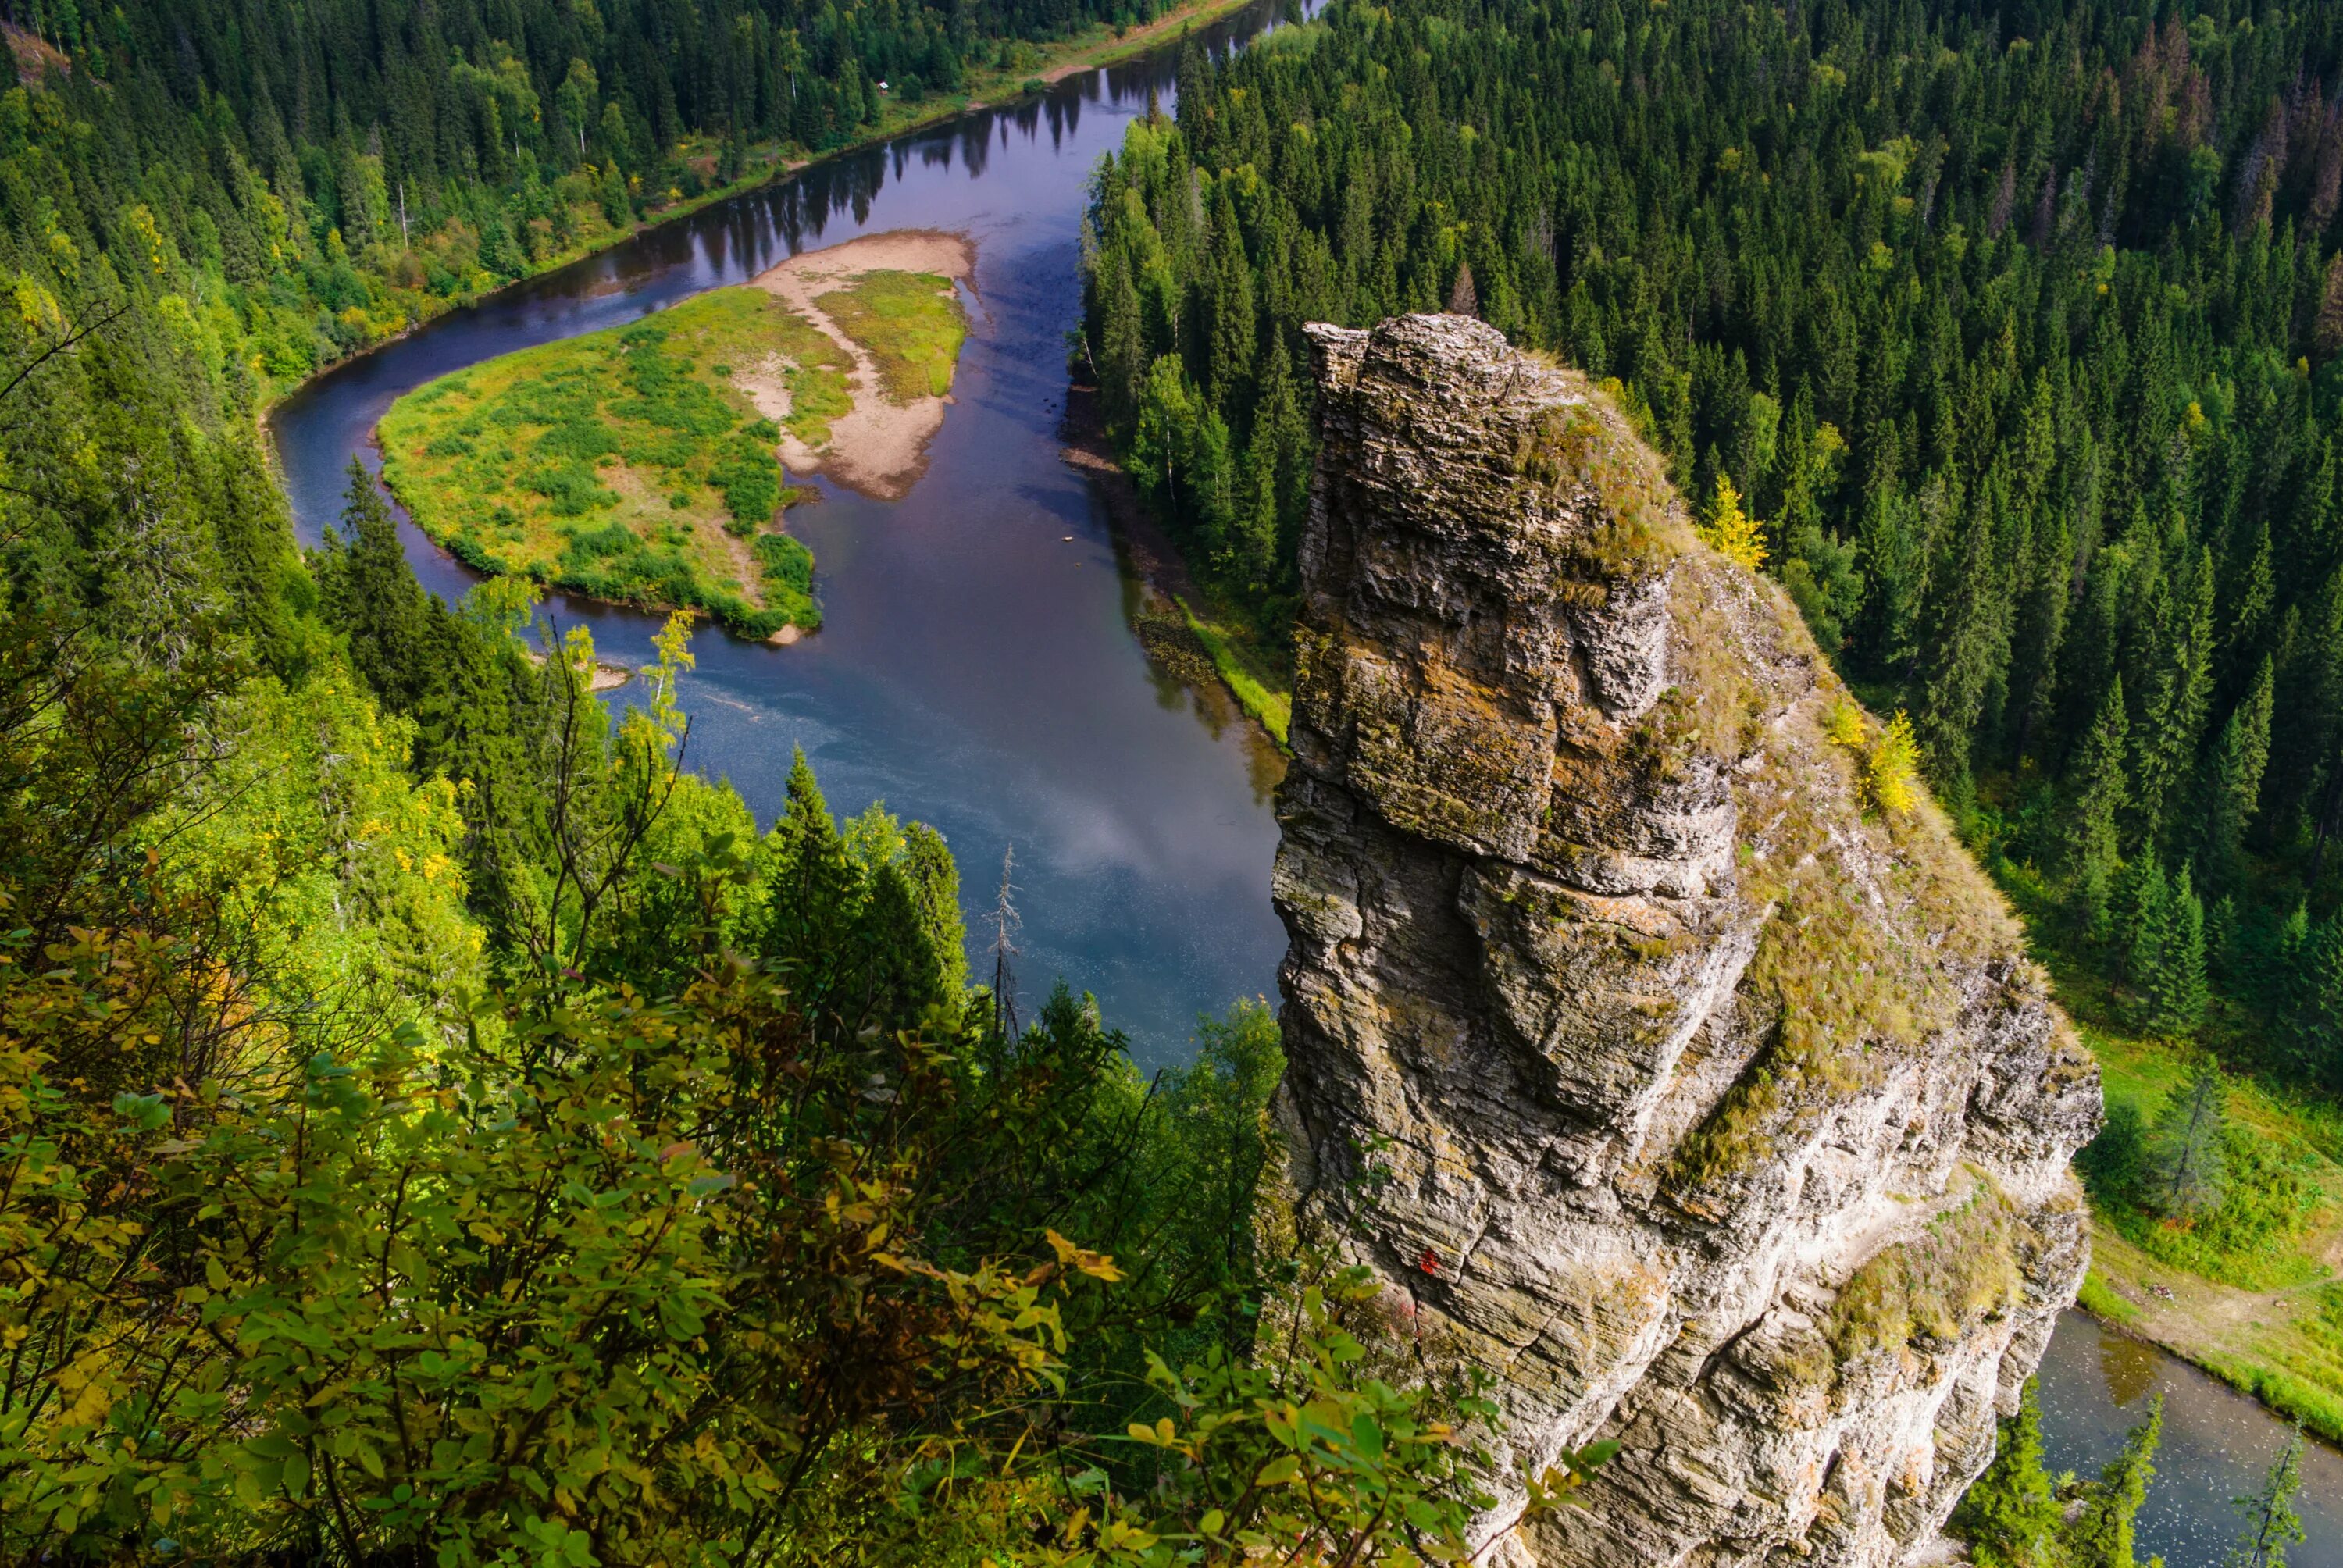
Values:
[(1657, 1066)]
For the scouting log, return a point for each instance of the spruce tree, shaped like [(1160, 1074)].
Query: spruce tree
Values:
[(2271, 1523), (2173, 714), (2143, 910), (2009, 1515), (2096, 793), (2100, 1535), (2177, 992), (2234, 781), (811, 892), (1229, 361), (1121, 349), (371, 597), (2187, 1153), (2315, 1002), (1967, 650)]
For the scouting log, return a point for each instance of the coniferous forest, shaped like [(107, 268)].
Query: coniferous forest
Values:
[(307, 180), (438, 1125), (2017, 330)]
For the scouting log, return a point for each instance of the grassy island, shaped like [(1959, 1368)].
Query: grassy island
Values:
[(639, 464)]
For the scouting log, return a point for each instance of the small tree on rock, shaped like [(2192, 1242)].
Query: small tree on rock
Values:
[(1731, 531)]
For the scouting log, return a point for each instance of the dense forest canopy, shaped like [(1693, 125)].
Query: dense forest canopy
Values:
[(436, 1124), (2017, 329), (289, 182)]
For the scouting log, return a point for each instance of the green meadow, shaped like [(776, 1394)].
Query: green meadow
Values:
[(630, 465), (911, 323)]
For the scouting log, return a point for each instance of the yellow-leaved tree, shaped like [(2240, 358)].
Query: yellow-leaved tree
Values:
[(1733, 532)]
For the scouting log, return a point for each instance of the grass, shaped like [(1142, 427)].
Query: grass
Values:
[(2247, 1292), (628, 465), (1263, 688), (1961, 1267), (912, 325), (2099, 1299), (814, 369), (2250, 1297)]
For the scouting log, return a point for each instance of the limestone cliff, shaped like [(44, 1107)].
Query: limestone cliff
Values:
[(1706, 1106)]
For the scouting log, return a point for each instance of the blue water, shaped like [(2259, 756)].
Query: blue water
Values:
[(975, 669)]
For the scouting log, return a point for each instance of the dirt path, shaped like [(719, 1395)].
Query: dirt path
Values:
[(880, 447)]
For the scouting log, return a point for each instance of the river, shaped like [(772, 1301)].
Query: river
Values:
[(975, 669)]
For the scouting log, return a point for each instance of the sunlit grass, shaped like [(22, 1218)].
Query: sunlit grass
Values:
[(911, 323), (1241, 665), (632, 465)]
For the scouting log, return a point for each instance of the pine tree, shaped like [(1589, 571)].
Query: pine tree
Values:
[(810, 887), (1280, 428), (1966, 649), (1233, 323), (2314, 1007), (2271, 1522), (2234, 779), (2009, 1515), (2187, 1152), (371, 597), (2142, 908), (2327, 331), (1121, 345), (2179, 689)]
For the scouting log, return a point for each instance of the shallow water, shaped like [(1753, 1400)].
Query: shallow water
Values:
[(975, 669), (2217, 1445)]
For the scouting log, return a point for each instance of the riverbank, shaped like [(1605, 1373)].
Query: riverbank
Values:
[(764, 163), (2274, 1328), (1183, 624), (885, 301)]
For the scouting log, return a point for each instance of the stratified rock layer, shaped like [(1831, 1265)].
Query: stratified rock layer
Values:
[(1707, 1108)]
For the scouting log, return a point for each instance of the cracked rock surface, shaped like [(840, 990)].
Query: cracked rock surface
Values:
[(1654, 1067)]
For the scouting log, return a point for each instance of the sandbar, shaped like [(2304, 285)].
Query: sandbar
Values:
[(880, 447)]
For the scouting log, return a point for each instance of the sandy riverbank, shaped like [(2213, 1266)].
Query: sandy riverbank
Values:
[(880, 447)]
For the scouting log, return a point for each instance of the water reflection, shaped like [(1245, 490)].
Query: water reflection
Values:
[(2129, 1367), (2217, 1445), (977, 668)]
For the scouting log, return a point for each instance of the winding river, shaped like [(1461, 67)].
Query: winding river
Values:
[(977, 668)]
